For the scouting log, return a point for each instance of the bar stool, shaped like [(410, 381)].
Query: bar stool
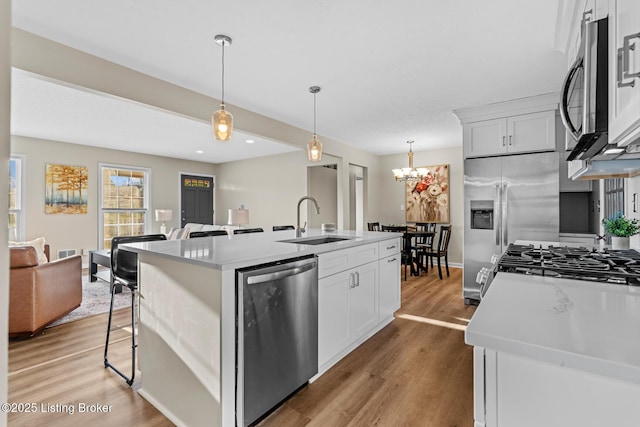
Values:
[(124, 270)]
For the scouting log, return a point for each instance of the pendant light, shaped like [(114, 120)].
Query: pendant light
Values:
[(410, 174), (314, 147), (222, 120)]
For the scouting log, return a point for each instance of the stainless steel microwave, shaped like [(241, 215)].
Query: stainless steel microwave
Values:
[(584, 105)]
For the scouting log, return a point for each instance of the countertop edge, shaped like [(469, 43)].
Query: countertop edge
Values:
[(296, 249), (486, 328)]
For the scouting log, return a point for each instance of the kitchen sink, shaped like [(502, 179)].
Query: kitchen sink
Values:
[(316, 240)]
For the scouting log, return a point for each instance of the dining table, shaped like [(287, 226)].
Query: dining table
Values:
[(411, 239)]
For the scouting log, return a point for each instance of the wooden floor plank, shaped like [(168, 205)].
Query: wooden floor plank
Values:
[(411, 373)]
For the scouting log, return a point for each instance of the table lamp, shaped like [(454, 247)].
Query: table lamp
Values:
[(164, 215), (238, 216)]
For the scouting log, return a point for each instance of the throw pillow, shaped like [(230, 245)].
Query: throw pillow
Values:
[(36, 243)]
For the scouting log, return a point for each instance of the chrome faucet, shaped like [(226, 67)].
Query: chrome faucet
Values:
[(300, 230)]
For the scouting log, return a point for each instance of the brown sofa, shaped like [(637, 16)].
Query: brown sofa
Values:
[(41, 294)]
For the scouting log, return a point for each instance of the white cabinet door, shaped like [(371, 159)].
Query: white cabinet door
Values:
[(624, 84), (531, 132), (363, 314), (389, 286), (525, 133), (485, 138), (333, 315)]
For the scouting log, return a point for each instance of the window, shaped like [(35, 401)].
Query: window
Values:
[(16, 197), (124, 202), (613, 196)]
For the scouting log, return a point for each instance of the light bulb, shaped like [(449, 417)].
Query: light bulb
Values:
[(222, 124)]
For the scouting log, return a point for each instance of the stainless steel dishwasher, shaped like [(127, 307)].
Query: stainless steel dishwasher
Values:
[(277, 334)]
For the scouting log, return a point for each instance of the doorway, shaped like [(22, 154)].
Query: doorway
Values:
[(356, 197), (323, 186), (196, 199)]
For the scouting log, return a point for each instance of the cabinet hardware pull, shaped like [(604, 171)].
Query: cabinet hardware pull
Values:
[(626, 47), (352, 280), (391, 247), (622, 84), (392, 259), (510, 139), (357, 278), (504, 141)]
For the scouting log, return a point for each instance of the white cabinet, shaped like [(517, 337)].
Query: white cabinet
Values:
[(513, 390), (517, 134), (624, 71), (346, 309), (517, 126), (333, 315), (389, 285), (350, 299), (363, 307)]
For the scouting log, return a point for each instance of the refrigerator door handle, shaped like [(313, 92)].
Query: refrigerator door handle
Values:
[(498, 224), (505, 214)]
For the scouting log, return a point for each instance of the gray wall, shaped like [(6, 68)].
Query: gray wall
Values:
[(81, 230)]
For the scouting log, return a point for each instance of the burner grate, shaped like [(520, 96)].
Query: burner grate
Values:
[(619, 266)]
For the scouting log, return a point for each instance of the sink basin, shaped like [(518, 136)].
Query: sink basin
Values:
[(316, 240)]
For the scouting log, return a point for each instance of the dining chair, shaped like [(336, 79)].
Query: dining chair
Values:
[(425, 242), (442, 250), (247, 230), (124, 271), (207, 233), (405, 253), (283, 227), (373, 226)]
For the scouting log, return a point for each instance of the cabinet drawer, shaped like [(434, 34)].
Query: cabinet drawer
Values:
[(334, 262), (389, 247)]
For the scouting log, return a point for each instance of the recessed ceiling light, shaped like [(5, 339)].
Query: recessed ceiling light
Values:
[(249, 141), (200, 151)]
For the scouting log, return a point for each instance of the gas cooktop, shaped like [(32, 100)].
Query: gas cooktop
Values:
[(609, 266)]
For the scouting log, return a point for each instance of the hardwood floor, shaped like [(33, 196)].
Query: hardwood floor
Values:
[(415, 372)]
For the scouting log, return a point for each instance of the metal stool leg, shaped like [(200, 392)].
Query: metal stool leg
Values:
[(107, 364)]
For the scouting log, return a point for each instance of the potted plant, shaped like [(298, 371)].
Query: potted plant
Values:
[(620, 229)]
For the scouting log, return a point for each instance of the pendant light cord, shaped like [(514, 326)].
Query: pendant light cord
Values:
[(314, 114), (223, 72)]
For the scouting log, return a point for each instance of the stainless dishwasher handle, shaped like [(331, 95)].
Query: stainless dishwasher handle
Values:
[(277, 275)]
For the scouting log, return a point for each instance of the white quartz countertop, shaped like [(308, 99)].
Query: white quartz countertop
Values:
[(243, 250), (584, 325)]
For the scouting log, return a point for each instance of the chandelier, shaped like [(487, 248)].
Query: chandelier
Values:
[(410, 174)]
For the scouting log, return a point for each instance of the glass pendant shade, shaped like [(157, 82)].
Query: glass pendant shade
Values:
[(314, 149), (222, 122)]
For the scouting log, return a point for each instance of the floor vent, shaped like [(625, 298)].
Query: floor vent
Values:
[(66, 252)]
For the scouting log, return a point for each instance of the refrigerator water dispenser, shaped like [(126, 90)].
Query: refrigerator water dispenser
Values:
[(482, 214)]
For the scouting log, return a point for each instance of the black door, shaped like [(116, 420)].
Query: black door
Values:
[(197, 199)]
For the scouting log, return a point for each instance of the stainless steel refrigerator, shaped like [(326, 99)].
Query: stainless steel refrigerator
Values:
[(506, 199)]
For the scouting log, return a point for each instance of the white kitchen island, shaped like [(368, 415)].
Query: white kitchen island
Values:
[(556, 352), (187, 328)]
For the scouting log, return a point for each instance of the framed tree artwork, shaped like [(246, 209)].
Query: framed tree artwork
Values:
[(66, 189), (427, 200)]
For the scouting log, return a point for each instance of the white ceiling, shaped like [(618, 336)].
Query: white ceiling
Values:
[(389, 71)]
